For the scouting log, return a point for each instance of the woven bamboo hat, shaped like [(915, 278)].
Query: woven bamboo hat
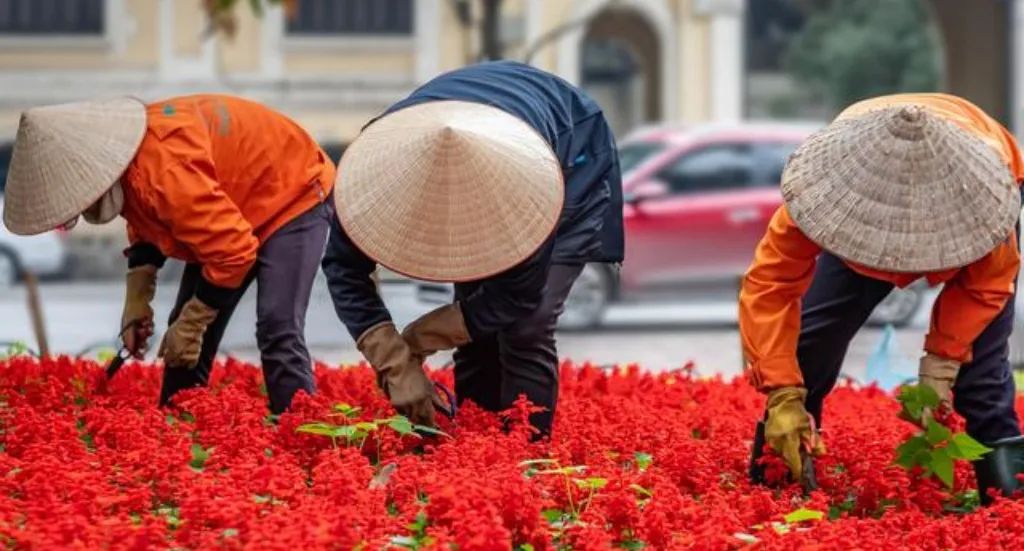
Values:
[(66, 157), (449, 191), (901, 190)]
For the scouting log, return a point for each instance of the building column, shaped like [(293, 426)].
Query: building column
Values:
[(727, 59), (427, 29), (1016, 118), (176, 67)]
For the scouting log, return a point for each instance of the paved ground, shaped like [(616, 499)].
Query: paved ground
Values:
[(662, 336)]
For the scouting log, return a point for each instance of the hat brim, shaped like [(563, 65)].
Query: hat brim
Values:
[(66, 157), (940, 201), (449, 191)]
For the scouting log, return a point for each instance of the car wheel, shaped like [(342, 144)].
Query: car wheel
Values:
[(899, 308), (8, 270), (587, 300)]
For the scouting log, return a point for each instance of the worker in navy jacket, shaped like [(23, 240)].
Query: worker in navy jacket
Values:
[(501, 178)]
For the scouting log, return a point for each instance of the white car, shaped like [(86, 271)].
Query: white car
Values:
[(44, 255)]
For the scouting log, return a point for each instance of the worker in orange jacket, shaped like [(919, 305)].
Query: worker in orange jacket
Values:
[(896, 189), (234, 189)]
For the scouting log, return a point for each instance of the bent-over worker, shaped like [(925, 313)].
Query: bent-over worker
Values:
[(501, 178), (896, 189), (236, 190)]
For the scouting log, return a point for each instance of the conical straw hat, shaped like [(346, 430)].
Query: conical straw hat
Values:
[(901, 190), (449, 191), (66, 157)]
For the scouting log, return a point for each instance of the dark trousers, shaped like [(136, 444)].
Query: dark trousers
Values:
[(838, 303), (285, 268), (520, 359)]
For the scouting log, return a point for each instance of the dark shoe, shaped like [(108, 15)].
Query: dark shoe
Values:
[(999, 468), (756, 469)]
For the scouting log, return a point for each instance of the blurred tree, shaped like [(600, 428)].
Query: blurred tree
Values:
[(853, 49), (223, 17)]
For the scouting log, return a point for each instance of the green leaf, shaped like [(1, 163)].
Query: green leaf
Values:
[(366, 426), (401, 425), (320, 429), (962, 446), (594, 483), (643, 460), (572, 469), (942, 465), (230, 533), (347, 410), (909, 452), (423, 429), (936, 433), (199, 457), (802, 514), (105, 355), (531, 462), (525, 547), (927, 396), (644, 492), (633, 545), (552, 515)]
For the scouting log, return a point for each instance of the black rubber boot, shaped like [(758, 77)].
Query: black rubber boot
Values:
[(999, 468)]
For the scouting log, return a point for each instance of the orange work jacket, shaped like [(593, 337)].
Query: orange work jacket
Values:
[(215, 176), (770, 297)]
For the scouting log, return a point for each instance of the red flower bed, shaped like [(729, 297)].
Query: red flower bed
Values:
[(638, 461)]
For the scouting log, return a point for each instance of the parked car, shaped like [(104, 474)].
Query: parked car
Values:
[(698, 200), (44, 255)]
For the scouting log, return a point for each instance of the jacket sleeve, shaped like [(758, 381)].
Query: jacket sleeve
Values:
[(770, 298), (201, 216), (971, 300), (353, 291), (510, 296)]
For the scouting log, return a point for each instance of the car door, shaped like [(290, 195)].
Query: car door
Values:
[(749, 211), (690, 235)]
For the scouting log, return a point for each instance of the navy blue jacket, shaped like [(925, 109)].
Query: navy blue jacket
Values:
[(590, 227)]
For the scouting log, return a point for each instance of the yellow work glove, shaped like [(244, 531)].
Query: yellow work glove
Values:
[(939, 374), (140, 287), (184, 338), (440, 329), (789, 428), (399, 373)]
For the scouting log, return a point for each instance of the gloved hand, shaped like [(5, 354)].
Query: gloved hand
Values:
[(140, 287), (939, 374), (440, 329), (184, 338), (399, 373), (789, 428)]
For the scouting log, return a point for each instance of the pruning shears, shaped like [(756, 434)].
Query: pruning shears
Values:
[(123, 354), (445, 401)]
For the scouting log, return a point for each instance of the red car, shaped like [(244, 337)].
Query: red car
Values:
[(698, 200)]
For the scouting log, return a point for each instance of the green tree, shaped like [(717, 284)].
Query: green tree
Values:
[(854, 49)]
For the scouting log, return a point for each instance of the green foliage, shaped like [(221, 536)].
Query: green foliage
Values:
[(934, 450), (850, 50), (643, 460), (199, 457), (802, 514), (355, 433)]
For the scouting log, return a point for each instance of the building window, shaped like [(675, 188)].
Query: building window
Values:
[(352, 18), (52, 17)]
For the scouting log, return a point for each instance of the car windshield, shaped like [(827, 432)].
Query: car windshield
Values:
[(631, 155)]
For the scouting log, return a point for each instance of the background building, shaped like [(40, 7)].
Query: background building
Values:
[(337, 63)]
